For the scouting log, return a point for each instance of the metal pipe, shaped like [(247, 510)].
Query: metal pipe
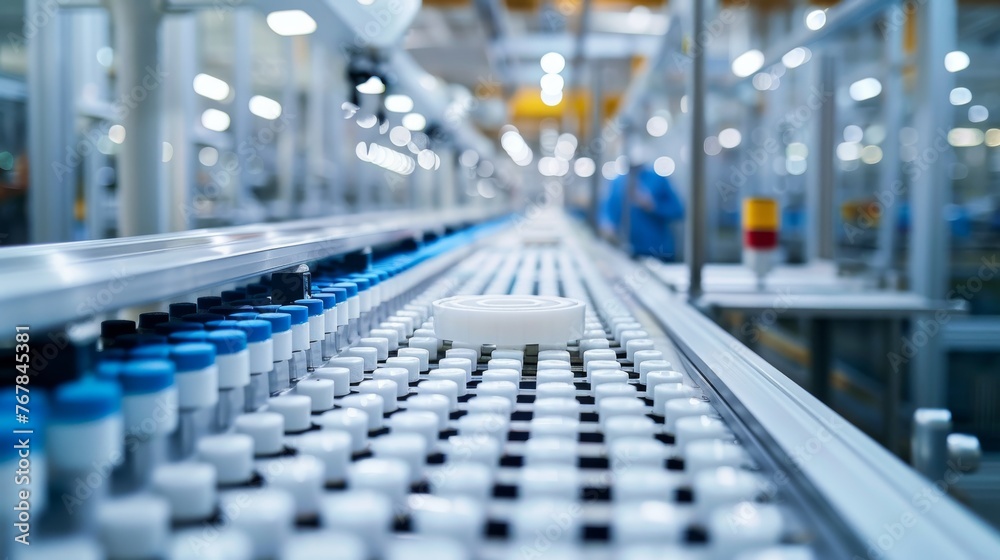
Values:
[(52, 149), (694, 238), (820, 188), (889, 177), (142, 198), (931, 190)]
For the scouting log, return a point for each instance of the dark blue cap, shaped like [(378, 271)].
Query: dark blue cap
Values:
[(146, 376), (203, 317), (280, 322), (207, 302), (218, 325), (232, 295), (225, 310), (167, 329), (315, 306), (192, 356), (113, 328), (373, 278), (188, 336), (151, 319), (256, 330), (135, 340), (351, 287), (109, 370), (258, 290), (180, 309), (299, 313), (267, 308), (244, 316), (339, 293), (149, 352), (228, 341), (113, 354), (329, 300), (86, 400)]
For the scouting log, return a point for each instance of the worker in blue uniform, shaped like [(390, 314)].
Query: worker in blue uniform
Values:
[(653, 208)]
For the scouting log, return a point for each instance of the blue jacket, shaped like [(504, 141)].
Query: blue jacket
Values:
[(650, 233)]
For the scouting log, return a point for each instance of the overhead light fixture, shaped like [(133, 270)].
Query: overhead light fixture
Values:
[(956, 61), (657, 126), (552, 63), (214, 119), (265, 107), (398, 103), (795, 57), (965, 137), (373, 86), (816, 19), (584, 167), (552, 83), (865, 88), (211, 87), (414, 121), (730, 138), (289, 23), (748, 63), (960, 96), (552, 98), (116, 133)]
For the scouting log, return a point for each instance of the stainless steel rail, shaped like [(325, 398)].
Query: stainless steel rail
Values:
[(54, 284), (891, 510)]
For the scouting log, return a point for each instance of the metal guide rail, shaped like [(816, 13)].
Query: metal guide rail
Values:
[(74, 281)]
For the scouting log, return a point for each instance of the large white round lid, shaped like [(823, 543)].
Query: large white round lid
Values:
[(509, 320)]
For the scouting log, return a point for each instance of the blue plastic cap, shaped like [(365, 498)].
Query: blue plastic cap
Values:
[(299, 313), (136, 340), (219, 325), (109, 370), (228, 341), (258, 290), (180, 309), (207, 302), (225, 310), (146, 376), (86, 400), (167, 329), (151, 352), (351, 287), (267, 308), (363, 283), (116, 327), (151, 319), (203, 317), (113, 354), (232, 295), (280, 322), (188, 336), (315, 306), (244, 316), (256, 330), (192, 356), (373, 278), (339, 293), (329, 300)]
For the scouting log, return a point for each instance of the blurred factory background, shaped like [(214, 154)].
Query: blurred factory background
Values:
[(874, 125)]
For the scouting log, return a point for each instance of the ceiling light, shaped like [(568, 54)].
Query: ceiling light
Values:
[(291, 22), (211, 87), (956, 61), (553, 63), (398, 103), (816, 19), (373, 86), (414, 121), (960, 96), (265, 107), (214, 119), (748, 63), (865, 88)]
